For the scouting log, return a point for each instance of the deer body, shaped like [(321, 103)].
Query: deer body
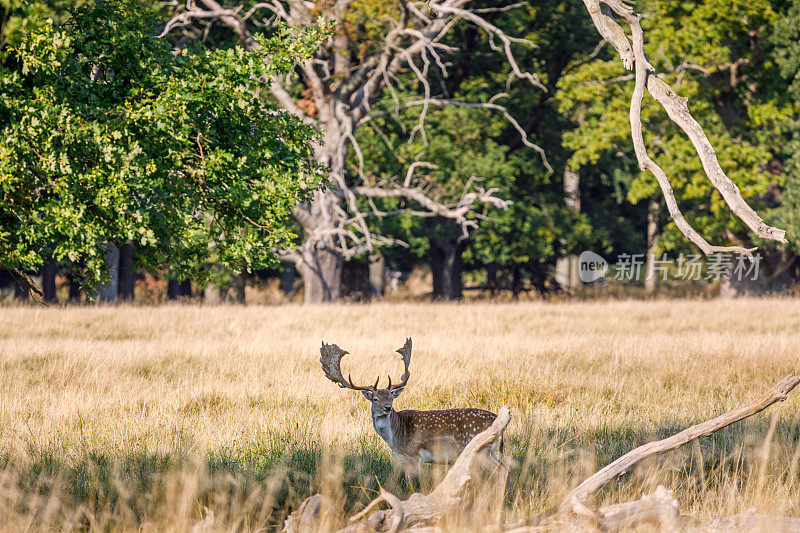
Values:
[(430, 436), (416, 437)]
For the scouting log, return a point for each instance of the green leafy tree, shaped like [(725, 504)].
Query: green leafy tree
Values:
[(786, 39), (107, 136), (18, 17)]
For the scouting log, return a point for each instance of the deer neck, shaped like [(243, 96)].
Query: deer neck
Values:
[(387, 427)]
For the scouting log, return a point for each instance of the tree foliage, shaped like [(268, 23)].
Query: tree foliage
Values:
[(176, 154), (786, 40), (106, 136)]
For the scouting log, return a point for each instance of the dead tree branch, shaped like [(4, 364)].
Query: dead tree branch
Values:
[(491, 104), (590, 486), (593, 484), (457, 211), (631, 51)]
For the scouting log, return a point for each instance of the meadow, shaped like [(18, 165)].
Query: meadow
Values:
[(136, 418)]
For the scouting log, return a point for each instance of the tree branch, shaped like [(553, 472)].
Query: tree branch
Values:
[(594, 483), (457, 211), (440, 102), (634, 57)]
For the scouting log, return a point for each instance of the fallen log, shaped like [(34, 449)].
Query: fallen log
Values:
[(660, 511), (422, 510), (580, 494)]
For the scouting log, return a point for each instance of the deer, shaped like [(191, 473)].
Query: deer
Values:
[(416, 437)]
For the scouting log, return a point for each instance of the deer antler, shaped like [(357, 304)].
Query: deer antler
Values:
[(331, 359), (405, 351)]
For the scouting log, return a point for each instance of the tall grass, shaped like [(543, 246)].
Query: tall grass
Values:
[(137, 418)]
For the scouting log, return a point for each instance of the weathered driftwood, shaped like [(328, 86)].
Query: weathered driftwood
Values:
[(575, 511), (657, 509), (313, 514), (580, 494), (660, 511)]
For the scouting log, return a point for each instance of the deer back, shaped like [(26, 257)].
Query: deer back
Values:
[(438, 435)]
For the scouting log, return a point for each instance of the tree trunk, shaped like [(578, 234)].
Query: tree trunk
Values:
[(213, 295), (74, 287), (651, 278), (491, 278), (107, 293), (355, 281), (567, 274), (377, 277), (516, 280), (173, 289), (562, 272), (320, 261), (321, 270), (177, 288), (21, 292), (49, 281), (446, 267), (567, 267), (538, 276), (287, 277), (126, 274), (574, 272), (236, 294), (186, 288)]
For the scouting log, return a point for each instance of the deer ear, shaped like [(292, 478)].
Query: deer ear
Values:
[(396, 392), (367, 394)]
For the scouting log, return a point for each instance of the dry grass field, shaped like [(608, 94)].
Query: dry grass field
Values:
[(135, 418)]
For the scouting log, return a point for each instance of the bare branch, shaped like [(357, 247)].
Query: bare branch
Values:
[(494, 31), (231, 17), (476, 105), (590, 486), (634, 58), (457, 211)]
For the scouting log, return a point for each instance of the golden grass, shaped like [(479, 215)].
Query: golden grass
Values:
[(137, 417)]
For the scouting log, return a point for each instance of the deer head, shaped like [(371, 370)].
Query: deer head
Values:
[(381, 399)]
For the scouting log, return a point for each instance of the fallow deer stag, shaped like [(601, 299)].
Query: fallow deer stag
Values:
[(416, 437)]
